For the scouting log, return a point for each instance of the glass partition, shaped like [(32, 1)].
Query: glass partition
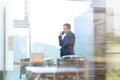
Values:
[(113, 39), (17, 33)]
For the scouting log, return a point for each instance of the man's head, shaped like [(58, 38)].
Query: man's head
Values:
[(66, 27)]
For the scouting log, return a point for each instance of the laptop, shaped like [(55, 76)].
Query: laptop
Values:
[(36, 58)]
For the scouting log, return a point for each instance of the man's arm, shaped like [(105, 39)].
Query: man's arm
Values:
[(60, 40), (69, 41)]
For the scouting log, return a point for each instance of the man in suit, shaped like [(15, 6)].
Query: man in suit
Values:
[(66, 43)]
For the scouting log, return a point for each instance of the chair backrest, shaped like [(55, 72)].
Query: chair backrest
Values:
[(36, 58), (74, 61)]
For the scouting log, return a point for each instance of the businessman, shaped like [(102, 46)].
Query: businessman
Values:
[(67, 42)]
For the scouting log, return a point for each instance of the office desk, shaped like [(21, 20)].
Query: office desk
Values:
[(21, 63), (55, 72)]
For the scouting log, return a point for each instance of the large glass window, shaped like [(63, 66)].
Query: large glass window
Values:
[(33, 26), (47, 19)]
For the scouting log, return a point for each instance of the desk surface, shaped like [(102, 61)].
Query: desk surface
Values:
[(45, 70), (21, 63)]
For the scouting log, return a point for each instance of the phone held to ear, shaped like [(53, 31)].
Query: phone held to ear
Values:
[(62, 32)]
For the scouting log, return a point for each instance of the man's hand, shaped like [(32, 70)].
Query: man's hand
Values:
[(61, 33)]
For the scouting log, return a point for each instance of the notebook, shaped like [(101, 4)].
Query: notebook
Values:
[(36, 58)]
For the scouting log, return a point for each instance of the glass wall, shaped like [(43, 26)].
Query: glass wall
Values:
[(47, 23), (33, 26), (17, 39), (113, 39)]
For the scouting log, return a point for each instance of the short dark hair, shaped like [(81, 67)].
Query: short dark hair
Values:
[(67, 25)]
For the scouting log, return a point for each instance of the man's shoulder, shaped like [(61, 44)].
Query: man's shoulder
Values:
[(71, 34)]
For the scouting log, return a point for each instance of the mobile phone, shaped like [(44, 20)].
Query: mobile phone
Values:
[(62, 32)]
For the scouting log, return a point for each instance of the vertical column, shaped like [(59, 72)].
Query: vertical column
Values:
[(4, 60), (99, 12)]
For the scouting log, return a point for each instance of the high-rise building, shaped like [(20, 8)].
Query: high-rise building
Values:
[(84, 45)]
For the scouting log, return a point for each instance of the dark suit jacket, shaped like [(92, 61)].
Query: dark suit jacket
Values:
[(67, 44)]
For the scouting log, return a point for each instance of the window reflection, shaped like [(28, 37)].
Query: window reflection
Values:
[(113, 39), (95, 25)]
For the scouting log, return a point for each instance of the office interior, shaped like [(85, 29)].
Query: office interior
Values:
[(33, 26)]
